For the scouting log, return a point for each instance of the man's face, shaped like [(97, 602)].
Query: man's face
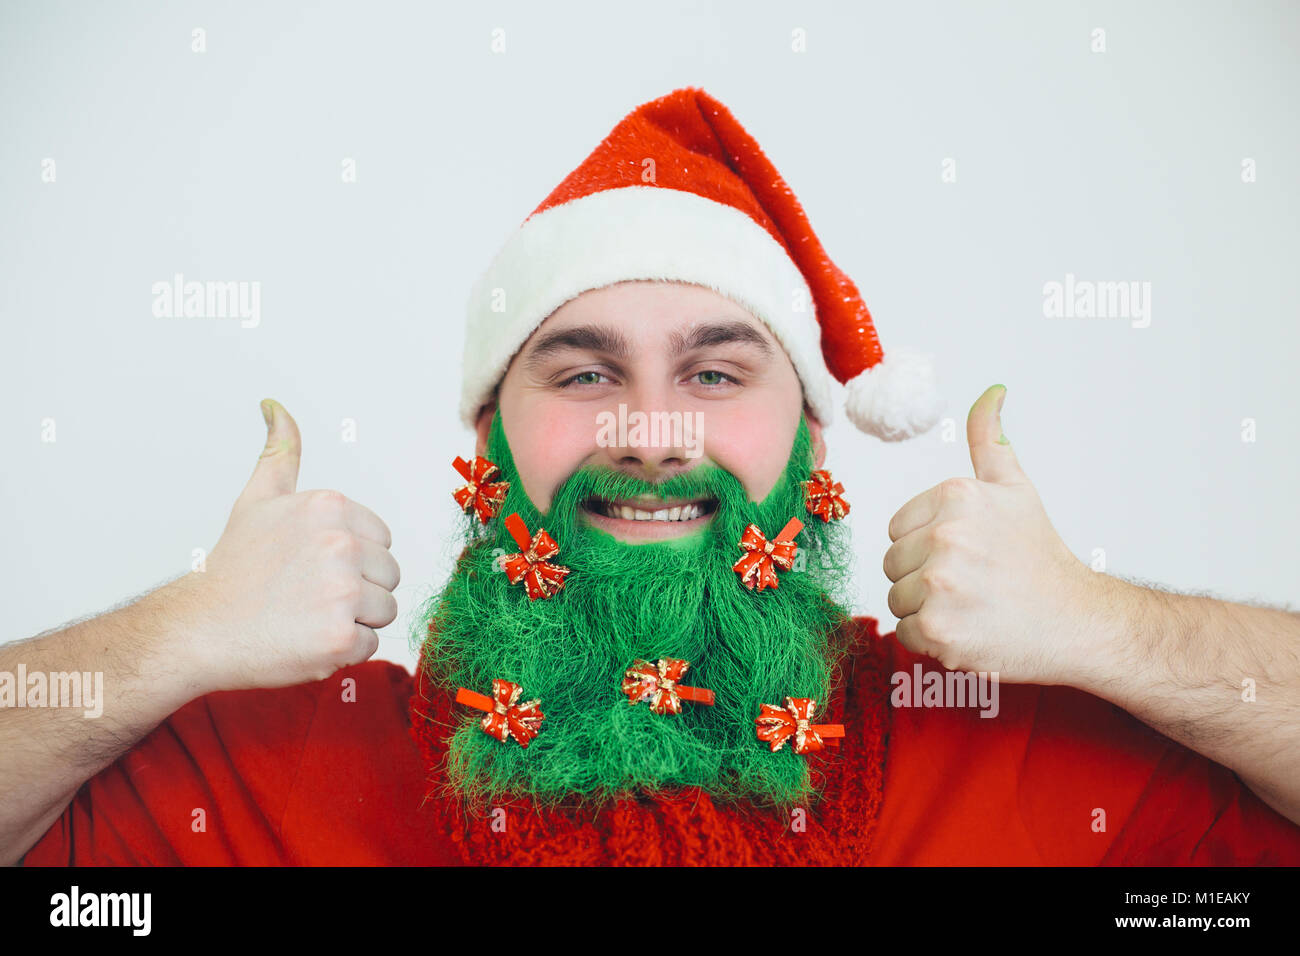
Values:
[(654, 347), (643, 589)]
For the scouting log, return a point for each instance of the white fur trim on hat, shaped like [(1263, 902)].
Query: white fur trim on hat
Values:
[(896, 398), (636, 232)]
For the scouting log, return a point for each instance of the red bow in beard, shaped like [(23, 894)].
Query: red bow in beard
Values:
[(481, 495), (657, 685), (776, 725), (505, 718), (757, 567), (823, 496), (541, 578)]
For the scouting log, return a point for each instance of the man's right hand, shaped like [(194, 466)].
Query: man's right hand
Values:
[(297, 584)]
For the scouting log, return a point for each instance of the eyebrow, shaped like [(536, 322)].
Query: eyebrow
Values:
[(598, 338)]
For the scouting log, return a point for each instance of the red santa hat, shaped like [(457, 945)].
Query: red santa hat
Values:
[(680, 191)]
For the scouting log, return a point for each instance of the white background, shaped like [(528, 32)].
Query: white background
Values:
[(1122, 165)]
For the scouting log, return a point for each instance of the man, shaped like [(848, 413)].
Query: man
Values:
[(657, 629)]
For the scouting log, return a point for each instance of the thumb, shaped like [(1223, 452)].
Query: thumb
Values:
[(276, 472), (990, 452)]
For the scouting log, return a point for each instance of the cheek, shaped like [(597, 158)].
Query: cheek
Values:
[(549, 443), (752, 441)]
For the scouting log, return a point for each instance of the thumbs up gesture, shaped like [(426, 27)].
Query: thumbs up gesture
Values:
[(982, 581), (296, 585)]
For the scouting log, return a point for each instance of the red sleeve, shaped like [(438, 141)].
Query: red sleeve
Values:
[(320, 774), (1194, 811), (207, 787), (1060, 777)]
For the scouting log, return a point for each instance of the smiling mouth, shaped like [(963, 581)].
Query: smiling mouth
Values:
[(630, 509)]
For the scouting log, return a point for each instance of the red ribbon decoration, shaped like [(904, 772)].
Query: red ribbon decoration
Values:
[(657, 685), (776, 725), (758, 565), (481, 494), (506, 718), (823, 496), (541, 578)]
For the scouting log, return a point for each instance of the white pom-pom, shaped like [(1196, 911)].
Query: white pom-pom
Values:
[(896, 398)]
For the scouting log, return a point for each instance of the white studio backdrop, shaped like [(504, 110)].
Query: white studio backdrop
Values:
[(953, 157)]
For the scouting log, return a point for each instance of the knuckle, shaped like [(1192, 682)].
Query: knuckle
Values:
[(340, 641), (319, 669), (958, 489), (349, 592), (927, 627), (935, 579), (326, 503), (947, 535), (950, 654), (340, 543)]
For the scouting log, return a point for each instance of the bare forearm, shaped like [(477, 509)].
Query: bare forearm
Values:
[(1222, 679), (115, 678)]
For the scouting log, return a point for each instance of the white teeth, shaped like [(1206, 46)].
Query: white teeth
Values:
[(628, 513)]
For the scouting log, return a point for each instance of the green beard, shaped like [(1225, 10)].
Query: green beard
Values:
[(622, 602)]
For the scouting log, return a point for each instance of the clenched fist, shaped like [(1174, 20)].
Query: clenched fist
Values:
[(297, 584), (982, 580)]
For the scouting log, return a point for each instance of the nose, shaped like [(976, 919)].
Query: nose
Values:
[(649, 437)]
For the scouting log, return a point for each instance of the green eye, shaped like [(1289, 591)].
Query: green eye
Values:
[(582, 379), (721, 377)]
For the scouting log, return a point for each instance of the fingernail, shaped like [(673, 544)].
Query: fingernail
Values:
[(1002, 438), (268, 412)]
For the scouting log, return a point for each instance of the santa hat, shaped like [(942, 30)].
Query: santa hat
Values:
[(680, 191)]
